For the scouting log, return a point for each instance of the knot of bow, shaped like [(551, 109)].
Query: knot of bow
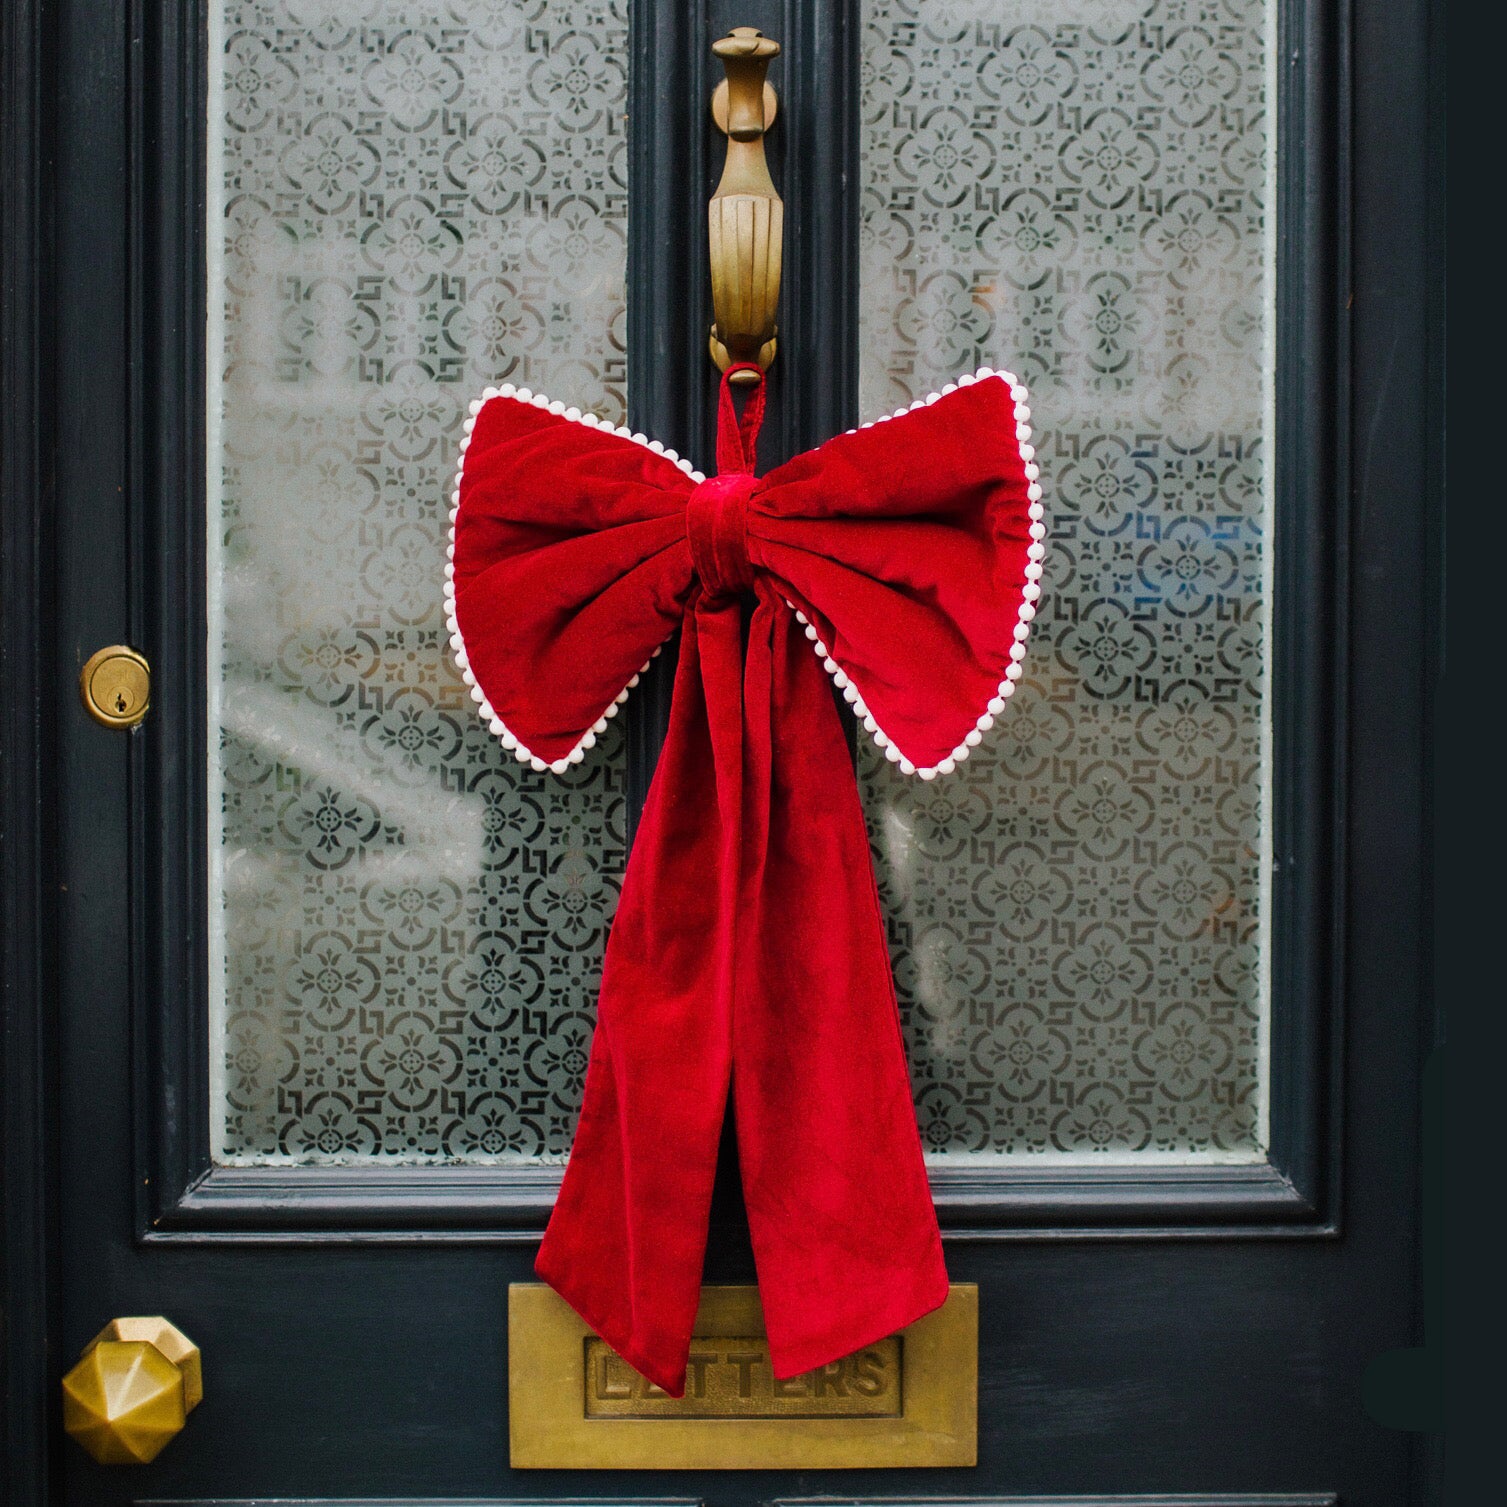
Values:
[(747, 962)]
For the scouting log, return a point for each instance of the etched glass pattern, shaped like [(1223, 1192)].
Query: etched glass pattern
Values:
[(1079, 192), (406, 201)]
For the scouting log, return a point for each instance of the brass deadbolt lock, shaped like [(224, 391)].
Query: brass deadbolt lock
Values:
[(116, 685), (137, 1382)]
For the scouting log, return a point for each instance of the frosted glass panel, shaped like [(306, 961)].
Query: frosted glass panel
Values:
[(1080, 192), (406, 201)]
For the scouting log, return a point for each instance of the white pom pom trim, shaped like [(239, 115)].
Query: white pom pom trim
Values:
[(487, 712), (841, 678), (1030, 599)]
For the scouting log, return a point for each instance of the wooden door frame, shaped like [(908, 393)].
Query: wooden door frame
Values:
[(29, 1423)]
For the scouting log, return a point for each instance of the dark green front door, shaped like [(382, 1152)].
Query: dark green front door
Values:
[(312, 974)]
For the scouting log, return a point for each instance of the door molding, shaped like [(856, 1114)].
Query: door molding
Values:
[(815, 157), (28, 661), (1155, 1499), (566, 1501)]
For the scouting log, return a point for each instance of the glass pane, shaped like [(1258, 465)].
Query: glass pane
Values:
[(406, 201), (1079, 191)]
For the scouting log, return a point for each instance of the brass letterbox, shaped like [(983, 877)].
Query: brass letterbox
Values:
[(909, 1400)]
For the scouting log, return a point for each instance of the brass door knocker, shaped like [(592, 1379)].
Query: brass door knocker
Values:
[(746, 218)]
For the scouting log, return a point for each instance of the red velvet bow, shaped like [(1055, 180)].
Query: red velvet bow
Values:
[(747, 957)]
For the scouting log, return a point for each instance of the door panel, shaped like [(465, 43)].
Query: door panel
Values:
[(350, 1303), (1083, 194), (405, 925)]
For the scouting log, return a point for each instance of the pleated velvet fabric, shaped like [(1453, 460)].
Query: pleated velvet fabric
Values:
[(747, 962)]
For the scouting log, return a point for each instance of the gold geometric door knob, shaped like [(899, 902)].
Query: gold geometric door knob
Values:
[(138, 1381)]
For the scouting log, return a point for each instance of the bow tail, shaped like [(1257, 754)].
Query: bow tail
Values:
[(844, 1231), (627, 1239), (748, 951)]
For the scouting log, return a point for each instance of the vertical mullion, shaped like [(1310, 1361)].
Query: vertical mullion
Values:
[(675, 158), (666, 257), (819, 315)]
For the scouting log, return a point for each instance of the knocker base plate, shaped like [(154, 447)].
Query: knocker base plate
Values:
[(910, 1400)]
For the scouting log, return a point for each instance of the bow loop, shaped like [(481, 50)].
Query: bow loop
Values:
[(738, 435), (569, 570), (911, 549)]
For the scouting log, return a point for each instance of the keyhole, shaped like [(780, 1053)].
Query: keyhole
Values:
[(116, 686)]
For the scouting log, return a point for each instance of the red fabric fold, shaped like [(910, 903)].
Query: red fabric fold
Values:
[(748, 951)]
